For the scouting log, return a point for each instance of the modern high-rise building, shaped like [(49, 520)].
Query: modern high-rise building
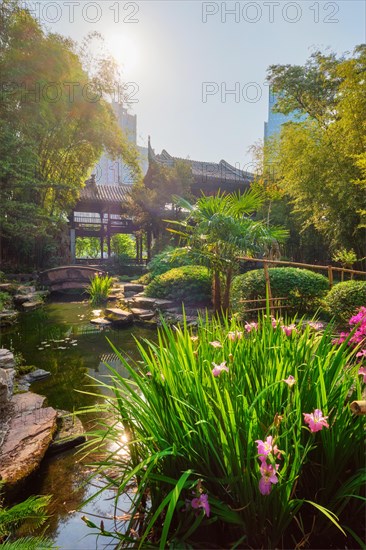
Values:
[(276, 120), (116, 172)]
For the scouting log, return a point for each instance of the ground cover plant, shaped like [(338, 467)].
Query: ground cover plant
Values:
[(5, 300), (29, 515), (237, 436)]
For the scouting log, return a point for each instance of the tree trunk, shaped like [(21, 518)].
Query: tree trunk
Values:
[(226, 299), (148, 244), (216, 291)]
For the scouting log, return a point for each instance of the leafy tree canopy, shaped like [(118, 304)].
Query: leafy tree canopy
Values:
[(55, 122), (320, 162)]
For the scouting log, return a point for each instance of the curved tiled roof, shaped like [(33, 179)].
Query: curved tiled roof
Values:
[(222, 170), (105, 193)]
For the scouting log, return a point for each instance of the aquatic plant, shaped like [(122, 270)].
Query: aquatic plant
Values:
[(245, 441), (99, 288)]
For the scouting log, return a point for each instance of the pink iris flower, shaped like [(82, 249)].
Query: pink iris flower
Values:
[(361, 316), (269, 478), (251, 326), (341, 339), (288, 330), (316, 420), (266, 447), (361, 353), (201, 502), (216, 344), (236, 335), (290, 381), (217, 370), (316, 325), (362, 372)]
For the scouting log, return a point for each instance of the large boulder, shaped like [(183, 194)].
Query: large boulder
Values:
[(33, 376), (6, 386), (133, 287), (11, 288), (70, 433), (100, 321), (30, 306), (20, 299), (143, 314), (119, 316), (29, 434), (8, 317), (7, 360), (145, 302)]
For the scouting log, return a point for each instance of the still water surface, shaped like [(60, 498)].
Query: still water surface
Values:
[(60, 339)]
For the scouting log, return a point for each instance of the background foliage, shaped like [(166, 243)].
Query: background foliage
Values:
[(51, 133)]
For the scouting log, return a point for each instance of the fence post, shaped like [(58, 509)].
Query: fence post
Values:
[(268, 285), (330, 276)]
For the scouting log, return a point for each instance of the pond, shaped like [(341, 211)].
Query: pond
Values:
[(60, 339)]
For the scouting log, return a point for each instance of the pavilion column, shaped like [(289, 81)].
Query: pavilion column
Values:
[(137, 242), (101, 245), (72, 245), (148, 244), (109, 235), (109, 245)]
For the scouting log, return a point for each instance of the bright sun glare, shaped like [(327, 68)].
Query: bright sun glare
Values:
[(124, 50)]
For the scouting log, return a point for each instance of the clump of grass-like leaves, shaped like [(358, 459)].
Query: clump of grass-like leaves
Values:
[(190, 422), (99, 288)]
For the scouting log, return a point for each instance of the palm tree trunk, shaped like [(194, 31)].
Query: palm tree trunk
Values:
[(226, 299), (216, 291)]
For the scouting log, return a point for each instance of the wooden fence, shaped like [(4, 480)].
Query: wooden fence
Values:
[(279, 303), (330, 269)]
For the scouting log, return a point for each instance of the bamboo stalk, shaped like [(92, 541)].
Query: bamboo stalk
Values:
[(330, 276), (263, 300), (358, 407)]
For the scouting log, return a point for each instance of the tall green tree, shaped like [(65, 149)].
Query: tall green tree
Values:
[(319, 163), (55, 122), (220, 228)]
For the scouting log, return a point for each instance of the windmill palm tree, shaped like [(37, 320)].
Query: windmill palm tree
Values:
[(220, 228)]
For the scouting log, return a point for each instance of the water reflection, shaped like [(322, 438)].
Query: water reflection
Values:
[(73, 349)]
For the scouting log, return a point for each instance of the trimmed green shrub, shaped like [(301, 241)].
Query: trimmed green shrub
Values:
[(168, 259), (344, 299), (302, 287), (189, 284), (145, 279)]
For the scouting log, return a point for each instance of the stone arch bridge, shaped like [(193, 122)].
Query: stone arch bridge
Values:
[(67, 277)]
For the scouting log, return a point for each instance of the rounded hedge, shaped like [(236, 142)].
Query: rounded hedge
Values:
[(168, 259), (190, 284), (344, 299), (303, 288)]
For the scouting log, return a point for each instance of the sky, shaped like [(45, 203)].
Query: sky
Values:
[(183, 58)]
